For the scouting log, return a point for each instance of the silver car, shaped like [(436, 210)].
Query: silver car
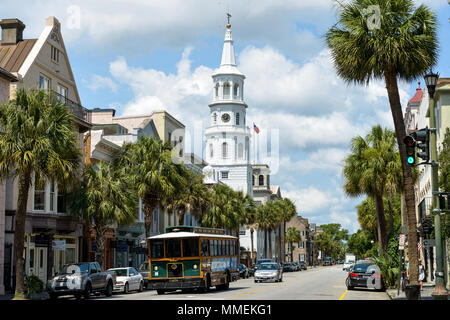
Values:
[(269, 272)]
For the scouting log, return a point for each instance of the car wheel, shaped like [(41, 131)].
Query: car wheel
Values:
[(126, 288), (109, 289), (87, 291), (53, 296), (160, 291), (141, 287)]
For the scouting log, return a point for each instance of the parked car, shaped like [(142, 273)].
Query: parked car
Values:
[(128, 279), (251, 270), (326, 262), (243, 271), (366, 274), (269, 271), (81, 279), (303, 265), (347, 265), (144, 270), (297, 266), (287, 267)]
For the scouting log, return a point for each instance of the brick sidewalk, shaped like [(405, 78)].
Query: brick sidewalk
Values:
[(426, 294)]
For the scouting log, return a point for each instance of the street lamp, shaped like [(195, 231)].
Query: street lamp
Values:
[(440, 292)]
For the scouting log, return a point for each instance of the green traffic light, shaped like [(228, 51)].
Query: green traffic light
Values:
[(410, 160)]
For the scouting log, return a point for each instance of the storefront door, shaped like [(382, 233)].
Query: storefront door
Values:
[(37, 262)]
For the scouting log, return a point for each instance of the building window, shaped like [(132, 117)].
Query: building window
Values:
[(44, 83), (236, 90), (237, 118), (61, 207), (301, 245), (224, 174), (211, 150), (55, 54), (226, 90), (240, 150), (39, 194), (217, 90), (214, 118), (261, 180), (224, 150), (52, 196), (62, 93), (253, 180)]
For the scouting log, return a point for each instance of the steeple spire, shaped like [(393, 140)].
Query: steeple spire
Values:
[(228, 62)]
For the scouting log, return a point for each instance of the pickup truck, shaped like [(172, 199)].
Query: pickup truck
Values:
[(81, 279)]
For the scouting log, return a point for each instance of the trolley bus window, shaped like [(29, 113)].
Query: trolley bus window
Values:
[(157, 249), (205, 248), (190, 247), (219, 245), (228, 247), (173, 248), (216, 248)]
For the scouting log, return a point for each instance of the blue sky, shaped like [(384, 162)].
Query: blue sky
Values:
[(140, 55)]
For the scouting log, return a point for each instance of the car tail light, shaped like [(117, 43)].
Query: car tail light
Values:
[(377, 276), (353, 275)]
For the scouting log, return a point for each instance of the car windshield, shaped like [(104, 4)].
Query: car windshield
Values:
[(120, 272), (75, 268), (263, 261), (360, 267), (268, 266)]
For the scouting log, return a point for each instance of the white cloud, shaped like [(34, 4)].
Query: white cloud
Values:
[(308, 200), (99, 82)]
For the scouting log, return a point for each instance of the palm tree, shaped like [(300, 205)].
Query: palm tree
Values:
[(287, 213), (37, 136), (366, 170), (249, 220), (404, 45), (191, 196), (105, 197), (292, 235), (148, 161), (267, 219), (220, 213)]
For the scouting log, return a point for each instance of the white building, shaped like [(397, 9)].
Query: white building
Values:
[(228, 137)]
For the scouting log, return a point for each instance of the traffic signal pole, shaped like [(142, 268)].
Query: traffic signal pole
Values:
[(440, 292)]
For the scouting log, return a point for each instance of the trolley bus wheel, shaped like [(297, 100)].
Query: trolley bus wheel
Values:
[(160, 291)]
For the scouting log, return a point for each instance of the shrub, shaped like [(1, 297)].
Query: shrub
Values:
[(389, 269), (33, 284)]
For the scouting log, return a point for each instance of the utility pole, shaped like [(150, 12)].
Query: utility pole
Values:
[(440, 292)]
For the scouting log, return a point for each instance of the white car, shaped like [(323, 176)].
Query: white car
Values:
[(128, 279), (348, 265)]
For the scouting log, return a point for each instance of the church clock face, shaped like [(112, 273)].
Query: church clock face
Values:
[(226, 117)]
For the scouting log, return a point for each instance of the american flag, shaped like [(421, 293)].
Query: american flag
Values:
[(255, 128), (419, 246)]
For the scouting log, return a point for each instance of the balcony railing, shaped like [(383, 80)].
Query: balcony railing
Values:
[(77, 110)]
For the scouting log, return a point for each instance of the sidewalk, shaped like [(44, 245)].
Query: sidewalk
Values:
[(6, 297), (428, 289)]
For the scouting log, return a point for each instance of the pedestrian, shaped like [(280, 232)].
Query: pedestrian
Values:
[(421, 274)]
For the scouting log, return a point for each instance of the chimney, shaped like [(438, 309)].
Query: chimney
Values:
[(12, 31)]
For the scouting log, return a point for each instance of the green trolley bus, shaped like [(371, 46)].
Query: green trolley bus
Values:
[(188, 258)]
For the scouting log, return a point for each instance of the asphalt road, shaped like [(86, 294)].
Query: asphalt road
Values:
[(321, 283)]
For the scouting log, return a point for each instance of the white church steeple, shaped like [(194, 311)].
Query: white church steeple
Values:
[(228, 137)]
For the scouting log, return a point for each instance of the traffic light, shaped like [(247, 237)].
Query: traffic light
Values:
[(410, 144), (422, 138)]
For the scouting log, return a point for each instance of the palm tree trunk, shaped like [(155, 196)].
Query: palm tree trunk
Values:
[(265, 243), (19, 234), (391, 214), (251, 245), (381, 223), (100, 231), (270, 244), (396, 109)]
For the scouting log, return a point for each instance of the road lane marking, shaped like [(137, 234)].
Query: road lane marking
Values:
[(343, 295)]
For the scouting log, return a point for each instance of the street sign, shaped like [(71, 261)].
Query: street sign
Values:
[(428, 243), (59, 245), (401, 240), (401, 247)]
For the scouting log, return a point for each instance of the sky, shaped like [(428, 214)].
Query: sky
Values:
[(141, 55)]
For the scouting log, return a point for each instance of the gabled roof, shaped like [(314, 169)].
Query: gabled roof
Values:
[(12, 56)]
